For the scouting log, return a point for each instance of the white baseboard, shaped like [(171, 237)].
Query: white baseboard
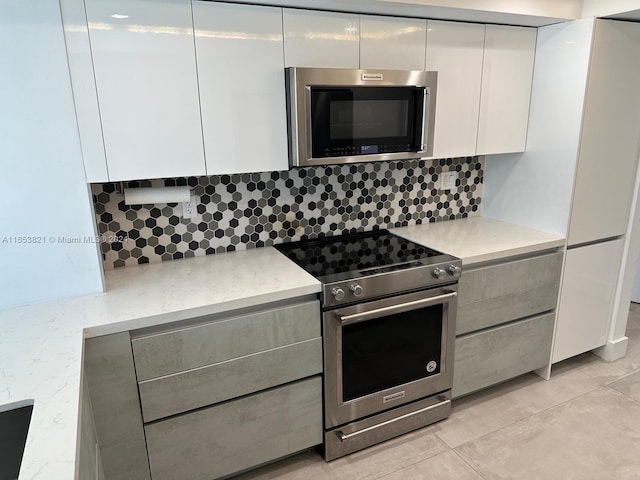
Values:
[(613, 350)]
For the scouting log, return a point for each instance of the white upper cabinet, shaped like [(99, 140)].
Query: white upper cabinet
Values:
[(241, 74), (506, 89), (145, 72), (321, 39), (84, 90), (608, 153), (455, 51), (392, 43)]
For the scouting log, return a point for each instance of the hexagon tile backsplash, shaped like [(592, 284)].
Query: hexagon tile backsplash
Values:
[(256, 209)]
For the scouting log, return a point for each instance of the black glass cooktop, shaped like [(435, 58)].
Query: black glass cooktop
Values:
[(370, 252)]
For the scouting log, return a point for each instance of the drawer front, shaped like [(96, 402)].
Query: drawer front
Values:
[(205, 344), (494, 311), (492, 356), (237, 435), (506, 278), (184, 391)]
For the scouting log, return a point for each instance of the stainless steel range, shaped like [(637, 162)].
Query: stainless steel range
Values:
[(388, 310)]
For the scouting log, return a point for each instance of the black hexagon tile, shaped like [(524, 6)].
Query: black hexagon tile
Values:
[(251, 210)]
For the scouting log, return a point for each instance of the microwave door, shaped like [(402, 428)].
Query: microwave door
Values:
[(366, 120)]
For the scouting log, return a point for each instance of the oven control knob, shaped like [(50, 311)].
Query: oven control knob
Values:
[(438, 273), (337, 293), (356, 289), (454, 271)]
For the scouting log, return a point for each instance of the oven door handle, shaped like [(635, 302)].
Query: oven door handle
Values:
[(392, 309)]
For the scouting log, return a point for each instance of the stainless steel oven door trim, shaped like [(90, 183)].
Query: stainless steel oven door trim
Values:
[(391, 309), (298, 83), (338, 412)]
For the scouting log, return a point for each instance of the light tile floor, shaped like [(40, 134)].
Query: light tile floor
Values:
[(583, 424)]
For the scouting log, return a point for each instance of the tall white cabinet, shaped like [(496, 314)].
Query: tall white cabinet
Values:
[(145, 72), (578, 174), (239, 50), (610, 140), (603, 192), (586, 303)]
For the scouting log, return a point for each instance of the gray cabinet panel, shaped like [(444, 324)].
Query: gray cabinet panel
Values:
[(88, 463), (113, 392), (493, 311), (491, 356), (238, 434), (205, 344), (505, 278), (169, 395)]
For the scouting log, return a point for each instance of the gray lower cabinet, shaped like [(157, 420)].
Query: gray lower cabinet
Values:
[(497, 354), (217, 338), (237, 435), (180, 392), (505, 320), (224, 393), (115, 405)]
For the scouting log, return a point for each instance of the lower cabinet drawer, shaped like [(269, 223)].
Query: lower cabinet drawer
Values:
[(497, 354), (200, 387), (496, 310), (237, 435), (223, 337)]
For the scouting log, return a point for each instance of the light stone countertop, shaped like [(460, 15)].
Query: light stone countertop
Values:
[(479, 239), (41, 345)]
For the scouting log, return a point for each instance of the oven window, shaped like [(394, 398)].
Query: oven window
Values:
[(360, 120), (390, 351)]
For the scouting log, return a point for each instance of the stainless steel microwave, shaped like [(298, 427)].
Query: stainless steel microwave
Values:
[(346, 116)]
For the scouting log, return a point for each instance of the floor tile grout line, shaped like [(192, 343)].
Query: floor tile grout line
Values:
[(471, 466), (525, 417), (628, 397)]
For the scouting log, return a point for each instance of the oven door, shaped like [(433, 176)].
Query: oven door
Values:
[(385, 353)]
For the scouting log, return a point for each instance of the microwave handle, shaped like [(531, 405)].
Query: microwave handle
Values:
[(393, 309), (425, 113)]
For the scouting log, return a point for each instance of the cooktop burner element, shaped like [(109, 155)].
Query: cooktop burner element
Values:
[(360, 266)]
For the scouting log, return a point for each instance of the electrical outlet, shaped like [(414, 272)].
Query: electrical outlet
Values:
[(190, 208), (448, 180)]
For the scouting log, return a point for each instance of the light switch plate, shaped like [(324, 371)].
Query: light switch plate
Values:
[(448, 180)]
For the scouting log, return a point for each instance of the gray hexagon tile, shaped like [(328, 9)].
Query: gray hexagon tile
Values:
[(251, 210)]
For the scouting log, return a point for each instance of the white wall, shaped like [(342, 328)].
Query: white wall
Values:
[(601, 8), (523, 12), (543, 8), (43, 191), (534, 188)]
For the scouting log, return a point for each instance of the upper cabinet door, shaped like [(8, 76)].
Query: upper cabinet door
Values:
[(85, 96), (321, 39), (392, 43), (145, 70), (242, 91), (455, 51), (608, 155), (506, 89)]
